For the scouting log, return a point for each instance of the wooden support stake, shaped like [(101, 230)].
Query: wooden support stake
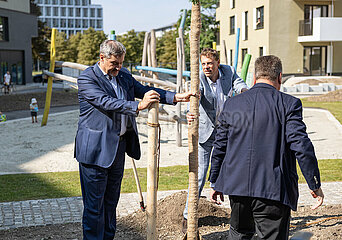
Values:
[(154, 53), (179, 90), (152, 166), (144, 54)]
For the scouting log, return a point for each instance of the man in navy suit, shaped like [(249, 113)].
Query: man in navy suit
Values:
[(106, 130), (217, 83), (260, 135)]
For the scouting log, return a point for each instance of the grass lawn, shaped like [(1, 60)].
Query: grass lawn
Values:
[(334, 107), (19, 187)]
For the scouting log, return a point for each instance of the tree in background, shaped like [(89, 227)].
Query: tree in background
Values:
[(73, 43), (167, 49), (63, 52), (134, 43), (88, 47)]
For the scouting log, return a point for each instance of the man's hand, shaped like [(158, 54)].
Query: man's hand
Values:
[(213, 197), (185, 97), (149, 98), (190, 117), (319, 195)]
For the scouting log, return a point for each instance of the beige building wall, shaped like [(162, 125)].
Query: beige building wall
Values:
[(279, 35), (16, 5), (256, 37)]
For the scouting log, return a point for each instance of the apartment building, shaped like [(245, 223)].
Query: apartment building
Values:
[(305, 34), (71, 16), (17, 27)]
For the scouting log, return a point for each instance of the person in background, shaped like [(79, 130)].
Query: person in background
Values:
[(217, 83), (34, 110), (7, 82), (260, 135), (2, 117)]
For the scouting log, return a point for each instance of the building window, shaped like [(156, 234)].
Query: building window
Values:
[(62, 2), (55, 11), (261, 51), (47, 1), (49, 22), (48, 11), (92, 23), (85, 23), (99, 12), (84, 2), (71, 23), (99, 24), (92, 12), (70, 2), (245, 33), (54, 2), (63, 11), (232, 4), (71, 12), (77, 2), (71, 32), (63, 23), (78, 12), (260, 18), (4, 29), (55, 22), (78, 23), (85, 12), (231, 57), (244, 51), (232, 25)]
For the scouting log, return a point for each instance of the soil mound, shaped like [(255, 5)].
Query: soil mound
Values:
[(334, 96)]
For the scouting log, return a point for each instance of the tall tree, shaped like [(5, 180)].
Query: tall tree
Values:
[(193, 128), (88, 48), (73, 42), (63, 53), (167, 49), (134, 43)]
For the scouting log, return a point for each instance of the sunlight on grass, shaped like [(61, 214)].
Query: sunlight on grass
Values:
[(334, 107)]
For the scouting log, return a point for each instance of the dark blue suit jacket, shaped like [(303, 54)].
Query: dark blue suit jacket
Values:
[(260, 134), (99, 124)]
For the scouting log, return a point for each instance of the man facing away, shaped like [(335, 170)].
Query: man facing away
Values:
[(106, 130), (217, 83), (260, 135)]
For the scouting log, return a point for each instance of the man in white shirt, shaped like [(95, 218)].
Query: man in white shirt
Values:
[(7, 82), (217, 83)]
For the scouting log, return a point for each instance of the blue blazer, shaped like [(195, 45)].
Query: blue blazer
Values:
[(99, 123), (207, 109), (260, 135)]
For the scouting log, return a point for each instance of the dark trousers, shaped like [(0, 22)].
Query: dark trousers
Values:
[(101, 192), (269, 219)]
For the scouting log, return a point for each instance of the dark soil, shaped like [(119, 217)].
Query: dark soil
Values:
[(325, 223), (13, 102)]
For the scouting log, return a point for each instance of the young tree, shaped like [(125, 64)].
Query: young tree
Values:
[(88, 48), (193, 128)]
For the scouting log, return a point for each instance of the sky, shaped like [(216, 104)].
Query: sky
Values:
[(140, 15)]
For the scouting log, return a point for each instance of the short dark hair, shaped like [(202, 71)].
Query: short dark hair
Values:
[(268, 67), (210, 53)]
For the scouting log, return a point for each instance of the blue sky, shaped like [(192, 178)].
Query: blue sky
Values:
[(140, 15)]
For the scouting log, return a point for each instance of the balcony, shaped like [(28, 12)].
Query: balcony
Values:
[(326, 29)]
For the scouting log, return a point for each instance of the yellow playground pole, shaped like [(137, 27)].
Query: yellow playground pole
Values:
[(52, 69), (214, 45)]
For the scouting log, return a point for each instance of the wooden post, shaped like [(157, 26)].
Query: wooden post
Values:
[(149, 55), (154, 53), (152, 164), (179, 90), (144, 54), (193, 128), (52, 69)]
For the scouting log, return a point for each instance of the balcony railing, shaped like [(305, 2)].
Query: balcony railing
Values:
[(305, 27)]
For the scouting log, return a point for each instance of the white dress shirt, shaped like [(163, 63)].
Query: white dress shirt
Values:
[(216, 88)]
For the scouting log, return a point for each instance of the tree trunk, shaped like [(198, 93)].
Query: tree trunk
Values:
[(193, 128)]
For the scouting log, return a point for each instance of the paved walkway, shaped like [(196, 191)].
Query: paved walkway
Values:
[(68, 210)]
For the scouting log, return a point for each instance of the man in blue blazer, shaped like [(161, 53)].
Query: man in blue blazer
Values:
[(217, 84), (260, 135), (106, 130)]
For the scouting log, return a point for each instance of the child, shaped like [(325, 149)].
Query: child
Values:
[(34, 109), (2, 117)]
